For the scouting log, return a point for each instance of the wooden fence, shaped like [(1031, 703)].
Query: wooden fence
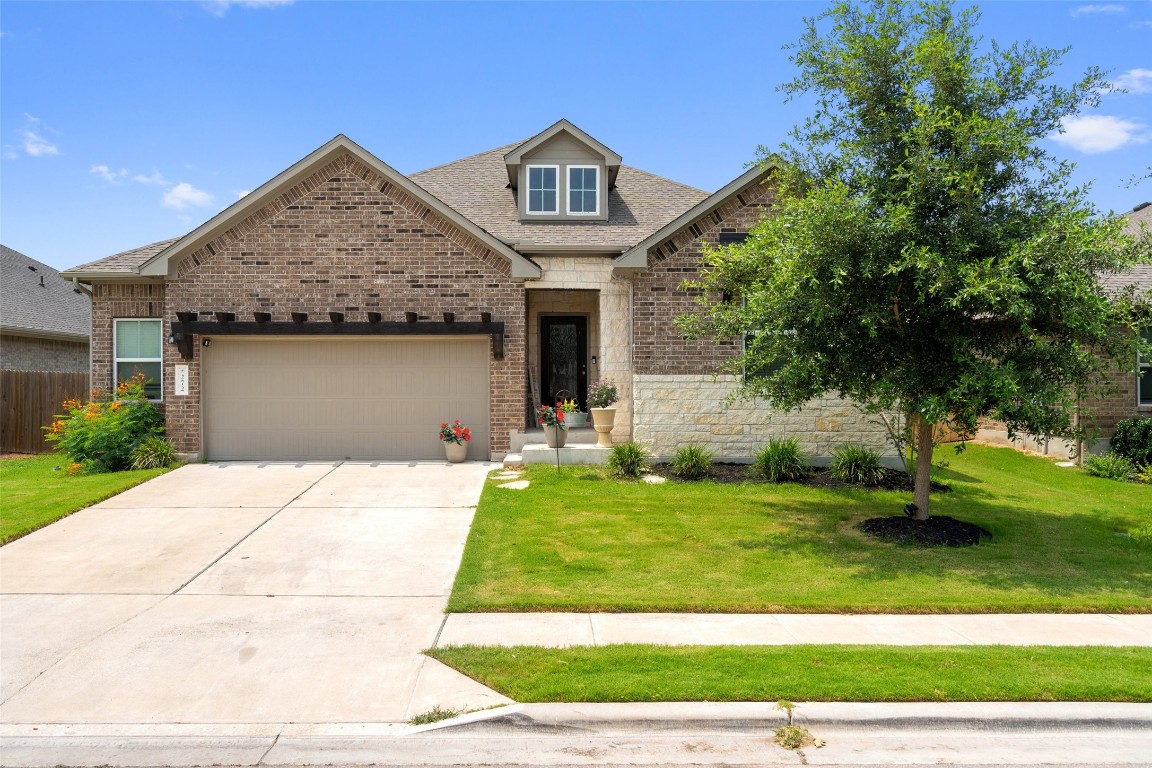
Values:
[(28, 400)]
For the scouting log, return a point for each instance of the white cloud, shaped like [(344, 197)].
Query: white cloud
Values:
[(221, 7), (1135, 81), (1110, 9), (243, 193), (109, 175), (155, 178), (184, 196), (32, 142), (1095, 134)]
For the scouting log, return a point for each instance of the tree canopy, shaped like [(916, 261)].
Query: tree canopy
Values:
[(925, 253)]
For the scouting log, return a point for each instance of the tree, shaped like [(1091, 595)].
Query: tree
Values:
[(925, 254)]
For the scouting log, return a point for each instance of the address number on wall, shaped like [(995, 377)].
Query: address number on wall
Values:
[(181, 379)]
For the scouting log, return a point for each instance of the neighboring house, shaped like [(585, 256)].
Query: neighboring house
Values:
[(1132, 395), (44, 319), (345, 310)]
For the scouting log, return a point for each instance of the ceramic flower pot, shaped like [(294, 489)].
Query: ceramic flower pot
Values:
[(555, 436), (456, 452)]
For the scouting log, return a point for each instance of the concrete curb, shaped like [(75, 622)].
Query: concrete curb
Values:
[(936, 715)]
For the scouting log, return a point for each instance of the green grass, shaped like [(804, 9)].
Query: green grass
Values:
[(580, 542), (33, 494), (808, 673)]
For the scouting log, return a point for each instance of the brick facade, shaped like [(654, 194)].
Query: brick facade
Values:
[(25, 353), (344, 239), (658, 299)]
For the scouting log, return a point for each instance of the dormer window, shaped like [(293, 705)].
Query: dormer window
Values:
[(584, 190), (543, 194)]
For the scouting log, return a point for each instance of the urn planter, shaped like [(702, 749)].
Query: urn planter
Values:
[(603, 420)]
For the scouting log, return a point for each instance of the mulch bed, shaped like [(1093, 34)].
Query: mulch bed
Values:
[(817, 478), (936, 531)]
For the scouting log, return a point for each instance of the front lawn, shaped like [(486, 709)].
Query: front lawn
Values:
[(808, 673), (579, 542), (33, 493)]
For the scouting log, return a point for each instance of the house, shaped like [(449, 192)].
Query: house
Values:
[(344, 309), (1132, 389), (44, 319)]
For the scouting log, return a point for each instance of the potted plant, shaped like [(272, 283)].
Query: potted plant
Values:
[(573, 416), (552, 420), (455, 439), (601, 397)]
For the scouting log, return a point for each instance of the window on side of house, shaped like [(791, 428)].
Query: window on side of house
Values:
[(139, 346), (1144, 376), (543, 191), (584, 190)]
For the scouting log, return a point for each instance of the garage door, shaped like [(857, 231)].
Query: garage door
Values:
[(361, 398)]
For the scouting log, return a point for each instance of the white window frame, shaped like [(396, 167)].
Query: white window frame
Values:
[(528, 191), (568, 189), (116, 360), (1142, 364)]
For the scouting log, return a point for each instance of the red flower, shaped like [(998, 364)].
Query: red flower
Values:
[(456, 430), (559, 415), (443, 424)]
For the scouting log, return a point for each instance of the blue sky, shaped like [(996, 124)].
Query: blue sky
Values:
[(123, 123)]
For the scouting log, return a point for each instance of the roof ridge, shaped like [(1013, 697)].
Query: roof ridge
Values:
[(466, 157)]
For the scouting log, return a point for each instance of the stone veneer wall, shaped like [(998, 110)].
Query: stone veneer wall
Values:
[(563, 302), (674, 410), (25, 353), (614, 356), (346, 240)]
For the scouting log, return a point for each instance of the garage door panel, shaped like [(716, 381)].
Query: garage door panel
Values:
[(342, 398)]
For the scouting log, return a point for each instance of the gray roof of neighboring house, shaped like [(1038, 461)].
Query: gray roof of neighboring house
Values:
[(1141, 274), (125, 261), (477, 187), (36, 301)]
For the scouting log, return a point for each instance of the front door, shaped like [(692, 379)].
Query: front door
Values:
[(564, 359)]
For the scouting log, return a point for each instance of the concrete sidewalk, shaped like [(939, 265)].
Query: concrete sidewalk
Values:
[(558, 630)]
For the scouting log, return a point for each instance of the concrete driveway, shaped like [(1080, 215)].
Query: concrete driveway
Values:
[(242, 593)]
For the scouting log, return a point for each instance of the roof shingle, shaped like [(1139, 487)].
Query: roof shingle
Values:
[(34, 299), (477, 187)]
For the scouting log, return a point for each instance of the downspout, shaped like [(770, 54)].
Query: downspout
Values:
[(81, 288)]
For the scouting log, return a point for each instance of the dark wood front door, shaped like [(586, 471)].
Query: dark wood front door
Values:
[(564, 358)]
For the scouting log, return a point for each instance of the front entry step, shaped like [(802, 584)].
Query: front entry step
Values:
[(570, 455)]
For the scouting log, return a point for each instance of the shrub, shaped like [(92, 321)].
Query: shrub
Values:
[(1133, 441), (1111, 466), (692, 462), (857, 464), (1144, 474), (782, 459), (154, 452), (627, 460), (101, 434)]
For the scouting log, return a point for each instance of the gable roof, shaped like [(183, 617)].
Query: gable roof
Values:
[(157, 261), (477, 186), (515, 157), (636, 257), (36, 301)]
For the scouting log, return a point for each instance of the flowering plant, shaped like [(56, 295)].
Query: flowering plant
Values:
[(570, 406), (602, 394), (100, 435), (454, 433), (549, 416)]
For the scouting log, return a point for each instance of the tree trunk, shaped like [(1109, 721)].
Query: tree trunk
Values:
[(924, 430)]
